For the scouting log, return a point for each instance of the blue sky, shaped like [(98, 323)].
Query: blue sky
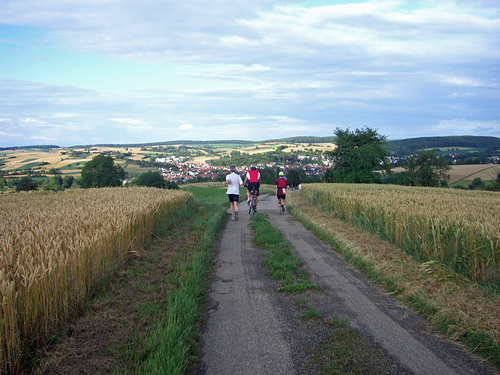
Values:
[(122, 71)]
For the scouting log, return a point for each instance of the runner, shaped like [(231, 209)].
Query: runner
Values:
[(281, 185), (233, 182)]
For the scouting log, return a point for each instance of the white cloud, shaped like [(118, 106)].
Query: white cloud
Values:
[(62, 115), (32, 120), (263, 34), (5, 134), (41, 138), (469, 127), (128, 121), (257, 65)]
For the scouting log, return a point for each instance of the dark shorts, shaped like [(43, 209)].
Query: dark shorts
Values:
[(281, 196), (233, 198), (253, 185)]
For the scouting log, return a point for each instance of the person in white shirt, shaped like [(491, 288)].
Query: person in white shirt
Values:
[(233, 182)]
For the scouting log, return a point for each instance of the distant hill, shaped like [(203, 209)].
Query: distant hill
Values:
[(41, 147), (304, 139), (413, 145), (394, 147), (169, 143)]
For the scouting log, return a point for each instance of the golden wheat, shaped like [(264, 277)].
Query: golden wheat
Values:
[(459, 228), (55, 247)]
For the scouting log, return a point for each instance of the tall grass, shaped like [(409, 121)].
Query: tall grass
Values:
[(459, 229), (56, 247)]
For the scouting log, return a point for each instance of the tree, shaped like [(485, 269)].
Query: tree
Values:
[(357, 154), (26, 184), (268, 175), (171, 185), (329, 175), (151, 179), (476, 184), (53, 184), (101, 171), (68, 182), (293, 177), (427, 168)]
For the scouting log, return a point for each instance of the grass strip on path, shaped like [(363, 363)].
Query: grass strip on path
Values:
[(465, 312), (346, 351), (282, 264)]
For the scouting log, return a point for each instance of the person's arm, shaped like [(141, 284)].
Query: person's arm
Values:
[(227, 181), (241, 182)]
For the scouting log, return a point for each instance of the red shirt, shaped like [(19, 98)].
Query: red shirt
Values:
[(253, 175), (281, 183)]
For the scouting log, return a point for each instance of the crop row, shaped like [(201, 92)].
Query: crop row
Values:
[(460, 229), (56, 247)]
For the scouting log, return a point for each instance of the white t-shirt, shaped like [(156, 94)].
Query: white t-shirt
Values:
[(234, 183)]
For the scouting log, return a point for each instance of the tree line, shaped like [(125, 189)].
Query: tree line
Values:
[(360, 157)]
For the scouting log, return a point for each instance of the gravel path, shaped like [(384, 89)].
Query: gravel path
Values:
[(251, 329)]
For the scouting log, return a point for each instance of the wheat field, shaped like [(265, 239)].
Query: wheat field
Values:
[(56, 247), (460, 229)]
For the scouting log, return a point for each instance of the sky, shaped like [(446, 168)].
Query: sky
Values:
[(80, 72)]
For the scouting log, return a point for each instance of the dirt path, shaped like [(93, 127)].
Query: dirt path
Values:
[(251, 329), (244, 332)]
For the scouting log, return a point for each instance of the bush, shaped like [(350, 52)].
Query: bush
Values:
[(26, 184), (150, 179)]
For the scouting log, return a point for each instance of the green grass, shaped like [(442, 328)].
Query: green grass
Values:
[(32, 165), (311, 314), (342, 350), (280, 261), (346, 351), (134, 172), (76, 165)]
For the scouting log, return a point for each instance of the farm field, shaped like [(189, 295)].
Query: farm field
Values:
[(485, 172), (57, 247), (468, 172), (459, 229)]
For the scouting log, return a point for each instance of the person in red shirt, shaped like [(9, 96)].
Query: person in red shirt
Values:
[(252, 181), (281, 185)]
